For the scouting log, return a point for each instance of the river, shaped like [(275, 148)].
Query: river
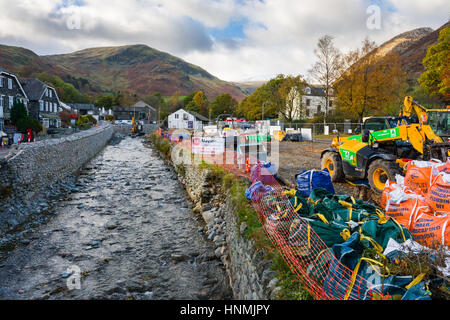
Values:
[(128, 233)]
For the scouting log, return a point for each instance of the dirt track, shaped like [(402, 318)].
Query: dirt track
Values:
[(298, 156)]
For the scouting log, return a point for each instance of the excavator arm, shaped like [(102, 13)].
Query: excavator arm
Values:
[(409, 106)]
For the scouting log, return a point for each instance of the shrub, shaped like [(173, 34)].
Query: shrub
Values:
[(18, 111), (28, 122)]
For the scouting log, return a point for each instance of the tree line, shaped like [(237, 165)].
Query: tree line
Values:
[(363, 82)]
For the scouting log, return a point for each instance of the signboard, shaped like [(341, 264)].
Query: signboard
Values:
[(307, 134), (190, 124), (210, 130), (208, 145), (326, 130)]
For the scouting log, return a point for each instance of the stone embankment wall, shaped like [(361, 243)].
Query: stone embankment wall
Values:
[(250, 274), (33, 167)]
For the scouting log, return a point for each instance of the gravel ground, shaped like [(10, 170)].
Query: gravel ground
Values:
[(298, 156)]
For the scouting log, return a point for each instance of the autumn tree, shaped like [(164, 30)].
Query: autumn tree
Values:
[(370, 84), (280, 96), (436, 79), (106, 102), (223, 104), (267, 96), (291, 91), (199, 104), (327, 68)]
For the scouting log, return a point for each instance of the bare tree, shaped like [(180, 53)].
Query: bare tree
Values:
[(327, 68)]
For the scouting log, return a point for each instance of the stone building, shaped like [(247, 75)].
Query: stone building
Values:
[(44, 104), (313, 102), (10, 89)]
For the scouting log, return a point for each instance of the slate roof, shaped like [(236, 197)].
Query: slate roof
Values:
[(34, 88), (142, 104), (198, 116)]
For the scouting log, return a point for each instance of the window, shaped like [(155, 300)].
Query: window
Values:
[(330, 103), (1, 82), (50, 93), (319, 109), (308, 90), (308, 102), (11, 101), (41, 105), (2, 104), (9, 83), (177, 116), (185, 117), (46, 106), (375, 124)]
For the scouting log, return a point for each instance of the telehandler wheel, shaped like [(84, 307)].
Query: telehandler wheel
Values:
[(380, 171), (333, 162)]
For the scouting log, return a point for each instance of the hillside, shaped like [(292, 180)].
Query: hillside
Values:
[(411, 47), (248, 87), (138, 69)]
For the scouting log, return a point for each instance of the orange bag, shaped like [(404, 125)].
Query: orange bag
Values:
[(385, 195), (419, 175), (405, 211), (431, 231), (438, 196), (444, 167), (391, 186)]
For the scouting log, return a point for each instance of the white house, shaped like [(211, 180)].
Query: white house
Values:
[(183, 119), (313, 102)]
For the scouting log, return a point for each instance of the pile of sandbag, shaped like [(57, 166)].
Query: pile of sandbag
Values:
[(421, 201)]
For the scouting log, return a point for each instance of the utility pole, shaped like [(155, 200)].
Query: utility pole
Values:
[(263, 111)]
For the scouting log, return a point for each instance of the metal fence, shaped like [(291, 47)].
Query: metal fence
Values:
[(319, 129)]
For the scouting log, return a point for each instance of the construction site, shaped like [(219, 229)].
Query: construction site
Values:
[(358, 217)]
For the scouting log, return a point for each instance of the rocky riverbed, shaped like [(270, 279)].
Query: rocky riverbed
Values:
[(121, 229)]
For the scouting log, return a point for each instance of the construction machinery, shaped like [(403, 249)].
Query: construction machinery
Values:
[(384, 147), (437, 119), (136, 128)]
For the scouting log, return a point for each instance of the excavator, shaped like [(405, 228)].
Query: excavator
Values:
[(384, 148), (136, 129), (437, 119)]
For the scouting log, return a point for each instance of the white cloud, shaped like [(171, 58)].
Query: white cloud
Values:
[(280, 34)]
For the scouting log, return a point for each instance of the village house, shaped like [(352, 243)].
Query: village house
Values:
[(141, 111), (10, 89), (183, 119), (313, 102), (44, 104), (83, 108)]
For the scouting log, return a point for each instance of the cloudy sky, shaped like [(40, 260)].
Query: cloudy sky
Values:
[(235, 40)]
